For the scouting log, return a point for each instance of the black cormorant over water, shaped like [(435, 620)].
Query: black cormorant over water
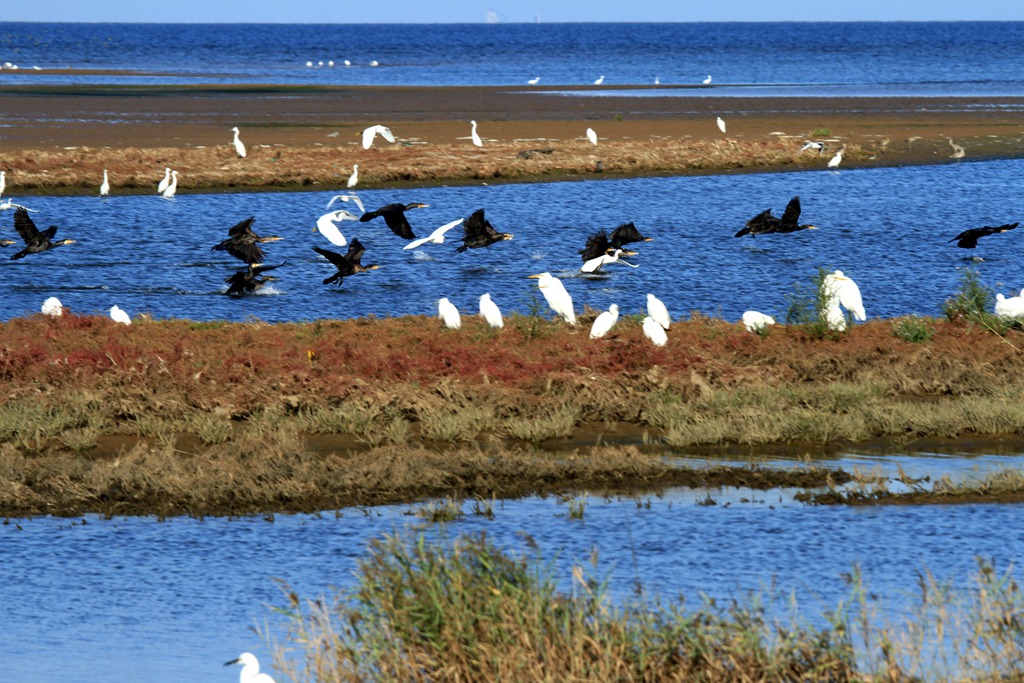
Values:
[(478, 232), (394, 216), (35, 241), (347, 264), (766, 223), (626, 234), (247, 280), (243, 243), (968, 239)]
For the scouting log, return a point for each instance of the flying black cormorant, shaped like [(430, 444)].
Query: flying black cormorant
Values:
[(478, 232), (35, 240), (394, 216), (243, 243)]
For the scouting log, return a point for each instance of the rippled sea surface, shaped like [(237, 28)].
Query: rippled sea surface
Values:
[(887, 228), (891, 58), (146, 601)]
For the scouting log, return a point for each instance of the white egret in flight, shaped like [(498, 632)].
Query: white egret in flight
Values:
[(373, 131), (436, 237), (347, 198), (595, 264), (9, 204), (326, 225)]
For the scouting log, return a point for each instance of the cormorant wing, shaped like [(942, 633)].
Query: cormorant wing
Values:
[(238, 282), (354, 255), (791, 215), (762, 222), (625, 234), (370, 215), (243, 228), (399, 224), (334, 257), (26, 228), (475, 225), (259, 269), (597, 245), (249, 252)]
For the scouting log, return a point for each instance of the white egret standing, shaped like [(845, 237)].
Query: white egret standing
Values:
[(592, 136), (105, 185), (326, 225), (165, 182), (474, 136), (600, 80), (1009, 306), (52, 306), (250, 669), (595, 264), (755, 321), (654, 331), (721, 123), (347, 198), (172, 187), (604, 322), (657, 310), (353, 179), (436, 237), (557, 297), (370, 133), (489, 311), (837, 159), (3, 182), (239, 147), (707, 81), (842, 291), (119, 316), (447, 312)]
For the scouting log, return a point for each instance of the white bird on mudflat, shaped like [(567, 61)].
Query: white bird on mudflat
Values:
[(9, 204), (604, 322), (373, 131), (557, 297), (534, 81), (119, 316), (755, 321), (353, 179), (165, 182), (657, 310), (172, 187), (347, 198), (600, 80), (474, 136), (837, 159), (105, 185), (592, 136), (447, 312), (707, 81), (490, 312), (958, 151), (52, 306), (721, 123), (595, 264), (841, 291), (654, 331), (436, 237), (326, 225), (239, 147), (250, 669)]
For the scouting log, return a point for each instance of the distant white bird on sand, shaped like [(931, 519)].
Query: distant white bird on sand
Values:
[(756, 321), (841, 291), (604, 322), (105, 185), (534, 81), (654, 331), (657, 310), (447, 312), (239, 146), (557, 297), (489, 311), (172, 187), (592, 136), (165, 182), (326, 225), (119, 316), (707, 81), (474, 136), (600, 80), (721, 123), (436, 237), (353, 179), (347, 198), (52, 306), (250, 669), (373, 131), (837, 159)]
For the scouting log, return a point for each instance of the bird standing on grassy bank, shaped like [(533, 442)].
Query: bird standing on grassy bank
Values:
[(239, 146), (592, 136), (394, 216), (654, 331), (165, 182), (447, 312), (604, 322), (250, 669), (36, 241), (105, 185), (474, 136), (243, 243), (968, 239), (172, 187), (755, 321), (556, 295), (658, 312), (52, 307), (721, 123), (1010, 306), (489, 311), (119, 316), (478, 232), (353, 179), (838, 158), (841, 291), (348, 264)]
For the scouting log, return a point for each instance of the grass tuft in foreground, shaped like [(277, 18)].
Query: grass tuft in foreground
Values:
[(469, 612)]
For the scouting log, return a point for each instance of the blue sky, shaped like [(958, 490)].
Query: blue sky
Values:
[(472, 11)]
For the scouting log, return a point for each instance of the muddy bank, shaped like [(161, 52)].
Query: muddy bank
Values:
[(58, 139)]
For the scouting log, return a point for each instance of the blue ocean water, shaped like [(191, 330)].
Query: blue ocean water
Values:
[(927, 58)]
